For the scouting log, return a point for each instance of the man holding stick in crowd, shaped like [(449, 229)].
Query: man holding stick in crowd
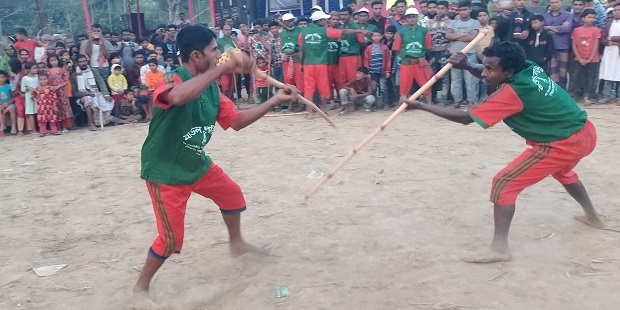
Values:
[(174, 165), (537, 109)]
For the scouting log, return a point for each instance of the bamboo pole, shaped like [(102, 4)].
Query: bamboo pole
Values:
[(330, 174)]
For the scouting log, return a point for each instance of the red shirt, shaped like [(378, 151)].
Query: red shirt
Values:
[(29, 46), (585, 39)]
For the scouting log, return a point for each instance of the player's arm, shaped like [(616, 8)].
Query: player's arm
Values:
[(459, 61), (192, 88), (247, 117), (452, 114)]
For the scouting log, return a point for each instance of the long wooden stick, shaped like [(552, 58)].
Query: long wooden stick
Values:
[(290, 114), (305, 101), (330, 174)]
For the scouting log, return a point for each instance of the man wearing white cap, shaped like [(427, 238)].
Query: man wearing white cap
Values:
[(362, 18), (291, 63), (313, 42), (316, 8), (412, 43)]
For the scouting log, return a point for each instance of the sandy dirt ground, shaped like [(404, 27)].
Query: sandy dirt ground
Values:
[(389, 232)]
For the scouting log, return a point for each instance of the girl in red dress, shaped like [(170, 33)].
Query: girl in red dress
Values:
[(47, 105), (58, 76)]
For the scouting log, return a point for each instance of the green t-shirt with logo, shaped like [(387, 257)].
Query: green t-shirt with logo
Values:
[(333, 51), (173, 152), (290, 42), (315, 44), (412, 43), (533, 106), (225, 45), (349, 46), (371, 28)]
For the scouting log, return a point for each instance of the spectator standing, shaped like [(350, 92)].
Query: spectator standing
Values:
[(586, 46), (535, 8), (350, 49), (59, 79), (483, 19), (181, 21), (439, 54), (133, 72), (559, 24), (601, 15), (362, 17), (578, 6), (398, 20), (225, 43), (262, 86), (394, 81), (29, 85), (6, 103), (97, 49), (377, 18), (127, 48), (170, 40), (47, 106), (460, 33), (23, 42), (275, 46), (378, 59), (610, 63), (539, 44), (333, 57), (516, 22), (412, 43)]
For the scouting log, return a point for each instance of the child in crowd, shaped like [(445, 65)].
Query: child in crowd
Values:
[(261, 82), (6, 104), (47, 105), (117, 83), (58, 78), (115, 59), (539, 46), (127, 110), (378, 58), (358, 91), (160, 55), (586, 46), (42, 66), (394, 81), (15, 77), (29, 84), (145, 46), (169, 63), (493, 23), (483, 19), (152, 77)]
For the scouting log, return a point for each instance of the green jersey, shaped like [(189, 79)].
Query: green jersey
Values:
[(290, 42), (533, 106), (333, 51), (349, 46), (314, 41), (225, 45), (371, 28), (173, 152), (412, 43)]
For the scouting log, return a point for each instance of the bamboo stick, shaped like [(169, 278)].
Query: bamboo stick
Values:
[(332, 172)]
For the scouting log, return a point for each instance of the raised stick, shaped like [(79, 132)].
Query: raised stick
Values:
[(330, 174), (290, 114), (305, 101)]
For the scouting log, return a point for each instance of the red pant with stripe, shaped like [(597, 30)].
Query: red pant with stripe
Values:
[(332, 72), (347, 69), (555, 159), (170, 202), (297, 77), (420, 73)]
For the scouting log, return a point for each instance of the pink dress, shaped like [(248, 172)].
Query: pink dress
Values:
[(58, 76), (46, 105)]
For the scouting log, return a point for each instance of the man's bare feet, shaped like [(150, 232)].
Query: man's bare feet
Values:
[(238, 249), (591, 221), (488, 255), (141, 300)]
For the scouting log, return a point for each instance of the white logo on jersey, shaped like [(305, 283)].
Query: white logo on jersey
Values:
[(543, 82), (313, 38)]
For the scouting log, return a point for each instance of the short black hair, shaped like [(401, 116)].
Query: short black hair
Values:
[(193, 38), (29, 65), (465, 3), (98, 26), (172, 26), (114, 34), (80, 56), (60, 44), (376, 3), (274, 23), (152, 61), (400, 1), (511, 55), (483, 10), (15, 65), (136, 53), (302, 19), (151, 52), (391, 29), (257, 22), (589, 1), (617, 4), (50, 56), (431, 1), (127, 91), (6, 75), (82, 35), (444, 3), (127, 30), (363, 70), (537, 17), (21, 31), (169, 56), (587, 12), (346, 9), (578, 0)]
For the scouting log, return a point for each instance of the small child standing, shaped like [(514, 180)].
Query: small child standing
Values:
[(152, 77), (378, 58), (539, 44), (117, 83), (261, 83), (47, 107), (394, 80), (6, 104), (30, 82), (585, 44), (483, 19), (59, 78), (359, 91)]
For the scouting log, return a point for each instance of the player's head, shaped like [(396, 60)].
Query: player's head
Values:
[(411, 16), (198, 48), (537, 22), (502, 61), (362, 73)]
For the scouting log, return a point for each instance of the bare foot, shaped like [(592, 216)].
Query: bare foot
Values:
[(238, 249), (488, 255), (141, 301), (591, 221)]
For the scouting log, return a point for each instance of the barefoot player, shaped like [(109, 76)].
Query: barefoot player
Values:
[(174, 165), (556, 129)]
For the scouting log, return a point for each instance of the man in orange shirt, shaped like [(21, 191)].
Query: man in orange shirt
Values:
[(151, 82)]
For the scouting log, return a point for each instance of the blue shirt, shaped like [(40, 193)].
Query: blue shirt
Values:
[(5, 93), (376, 61)]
